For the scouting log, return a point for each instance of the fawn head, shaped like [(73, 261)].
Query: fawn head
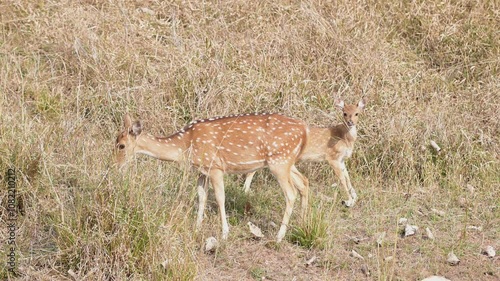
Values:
[(351, 111), (126, 141)]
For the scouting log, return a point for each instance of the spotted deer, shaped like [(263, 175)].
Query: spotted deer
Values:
[(225, 145), (333, 144)]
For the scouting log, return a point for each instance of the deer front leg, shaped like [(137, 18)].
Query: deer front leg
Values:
[(217, 179), (340, 170), (248, 181), (282, 174), (202, 199), (349, 186)]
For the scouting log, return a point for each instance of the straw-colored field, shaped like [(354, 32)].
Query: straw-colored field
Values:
[(70, 70)]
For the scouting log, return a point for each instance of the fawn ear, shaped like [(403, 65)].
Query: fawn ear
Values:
[(136, 128), (362, 103), (339, 103), (127, 121)]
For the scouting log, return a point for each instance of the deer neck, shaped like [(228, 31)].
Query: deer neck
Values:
[(351, 134), (169, 148), (321, 140)]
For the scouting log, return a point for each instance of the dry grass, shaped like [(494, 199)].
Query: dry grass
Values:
[(69, 70)]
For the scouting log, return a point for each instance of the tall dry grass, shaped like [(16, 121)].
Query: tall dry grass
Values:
[(69, 70)]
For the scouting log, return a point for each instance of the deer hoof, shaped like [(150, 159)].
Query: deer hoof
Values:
[(348, 203)]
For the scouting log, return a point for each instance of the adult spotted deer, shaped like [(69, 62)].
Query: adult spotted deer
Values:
[(223, 145), (333, 144)]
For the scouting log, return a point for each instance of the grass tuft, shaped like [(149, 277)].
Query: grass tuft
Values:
[(312, 232)]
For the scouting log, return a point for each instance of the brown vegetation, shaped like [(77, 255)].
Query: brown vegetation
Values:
[(69, 70)]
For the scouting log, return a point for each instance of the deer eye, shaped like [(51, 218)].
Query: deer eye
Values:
[(345, 114), (356, 114), (121, 146)]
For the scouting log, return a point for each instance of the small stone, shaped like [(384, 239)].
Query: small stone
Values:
[(165, 263), (211, 244), (452, 259), (462, 202), (356, 255), (410, 230), (310, 261), (147, 11), (388, 258), (73, 274), (435, 146), (402, 221), (490, 251), (255, 230), (470, 188), (435, 278), (273, 224), (438, 212), (473, 227), (429, 234)]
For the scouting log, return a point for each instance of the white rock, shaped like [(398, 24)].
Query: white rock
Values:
[(470, 188), (435, 146), (429, 234), (356, 255), (473, 227), (211, 244), (462, 202), (165, 263), (388, 258), (453, 259), (73, 274), (310, 261), (410, 230), (403, 221), (490, 251), (273, 224), (255, 230), (147, 11), (438, 212), (435, 278)]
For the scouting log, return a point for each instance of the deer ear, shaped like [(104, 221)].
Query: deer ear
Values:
[(339, 103), (362, 103), (127, 121), (136, 128)]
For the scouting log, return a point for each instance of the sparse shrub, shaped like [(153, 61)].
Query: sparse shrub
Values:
[(311, 233)]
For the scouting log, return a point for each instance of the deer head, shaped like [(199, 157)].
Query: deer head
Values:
[(126, 141), (351, 112)]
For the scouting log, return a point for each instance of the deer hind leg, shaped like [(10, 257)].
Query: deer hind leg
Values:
[(282, 174), (217, 179), (341, 171), (248, 182), (202, 199), (302, 184)]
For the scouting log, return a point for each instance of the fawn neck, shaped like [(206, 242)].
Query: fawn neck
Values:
[(328, 141)]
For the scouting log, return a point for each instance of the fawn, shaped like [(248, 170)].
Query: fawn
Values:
[(333, 144)]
